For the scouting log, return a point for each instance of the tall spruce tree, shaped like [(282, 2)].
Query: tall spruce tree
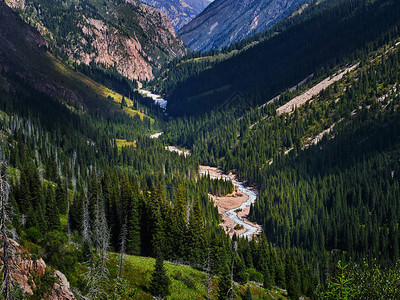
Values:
[(52, 216), (160, 282)]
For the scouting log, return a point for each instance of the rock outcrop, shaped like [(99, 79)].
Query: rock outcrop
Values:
[(227, 21), (130, 37), (26, 270), (180, 12)]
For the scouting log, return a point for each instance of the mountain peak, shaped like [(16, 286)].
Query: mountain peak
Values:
[(180, 12), (227, 21)]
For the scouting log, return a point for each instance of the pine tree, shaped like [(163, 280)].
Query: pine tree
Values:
[(159, 282), (292, 278), (268, 282), (224, 284), (130, 207), (61, 197), (51, 170), (133, 245), (52, 216), (180, 228), (248, 295), (196, 235)]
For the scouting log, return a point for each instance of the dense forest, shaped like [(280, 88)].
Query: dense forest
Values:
[(337, 199), (88, 184), (72, 184), (337, 35)]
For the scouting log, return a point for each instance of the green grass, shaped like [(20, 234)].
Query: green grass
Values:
[(186, 282)]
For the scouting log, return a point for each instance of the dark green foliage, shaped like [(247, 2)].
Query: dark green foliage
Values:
[(224, 284), (61, 197), (159, 283), (52, 215), (335, 32), (292, 278), (248, 295), (51, 170)]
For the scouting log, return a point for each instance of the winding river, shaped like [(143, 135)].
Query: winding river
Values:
[(233, 215), (251, 229)]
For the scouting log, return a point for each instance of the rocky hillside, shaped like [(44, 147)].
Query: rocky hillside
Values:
[(24, 56), (34, 278), (226, 21), (180, 12), (127, 36)]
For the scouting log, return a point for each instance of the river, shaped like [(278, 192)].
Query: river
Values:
[(230, 206), (233, 215)]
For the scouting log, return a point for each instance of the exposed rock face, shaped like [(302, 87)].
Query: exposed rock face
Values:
[(226, 21), (24, 271), (61, 289), (131, 37), (113, 50), (180, 12)]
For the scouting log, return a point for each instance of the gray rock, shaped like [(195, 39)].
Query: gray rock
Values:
[(227, 21)]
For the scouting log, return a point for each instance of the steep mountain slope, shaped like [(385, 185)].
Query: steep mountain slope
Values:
[(325, 153), (180, 12), (68, 172), (24, 55), (225, 21), (332, 36), (130, 37)]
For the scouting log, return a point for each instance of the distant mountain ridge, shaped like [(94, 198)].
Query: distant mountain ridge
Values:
[(180, 12), (130, 37), (227, 21)]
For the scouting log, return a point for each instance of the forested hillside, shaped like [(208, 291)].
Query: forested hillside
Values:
[(312, 128), (336, 35), (85, 179), (326, 167)]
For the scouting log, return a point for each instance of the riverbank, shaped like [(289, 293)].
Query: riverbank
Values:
[(234, 207)]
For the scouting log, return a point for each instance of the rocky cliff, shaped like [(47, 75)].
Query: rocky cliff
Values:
[(128, 36), (226, 21), (27, 273), (180, 12)]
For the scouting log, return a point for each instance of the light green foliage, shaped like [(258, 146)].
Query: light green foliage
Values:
[(366, 280), (340, 286)]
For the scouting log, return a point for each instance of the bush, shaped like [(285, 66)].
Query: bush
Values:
[(254, 275), (189, 282)]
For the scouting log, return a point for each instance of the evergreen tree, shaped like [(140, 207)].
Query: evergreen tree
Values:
[(224, 284), (133, 245), (180, 228), (159, 282), (248, 295), (292, 278), (52, 216), (61, 197)]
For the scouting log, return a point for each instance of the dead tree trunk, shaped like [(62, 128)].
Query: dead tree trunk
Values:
[(7, 279)]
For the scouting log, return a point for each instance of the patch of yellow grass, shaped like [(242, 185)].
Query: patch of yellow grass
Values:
[(124, 143), (133, 112), (99, 89)]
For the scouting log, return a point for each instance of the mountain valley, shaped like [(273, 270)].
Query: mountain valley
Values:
[(270, 171)]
